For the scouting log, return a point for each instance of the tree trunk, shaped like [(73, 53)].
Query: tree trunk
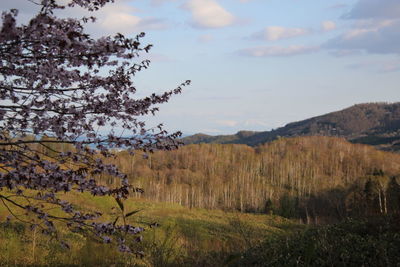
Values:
[(380, 201)]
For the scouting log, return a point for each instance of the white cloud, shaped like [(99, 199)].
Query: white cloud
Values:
[(229, 123), (372, 36), (208, 14), (274, 33), (118, 21), (328, 25), (112, 18), (277, 51), (119, 17), (375, 29)]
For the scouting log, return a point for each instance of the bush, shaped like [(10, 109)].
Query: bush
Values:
[(368, 242)]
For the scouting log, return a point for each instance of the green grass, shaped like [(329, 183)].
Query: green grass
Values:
[(200, 237), (186, 237)]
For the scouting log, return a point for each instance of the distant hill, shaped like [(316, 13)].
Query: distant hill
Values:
[(219, 139), (376, 124)]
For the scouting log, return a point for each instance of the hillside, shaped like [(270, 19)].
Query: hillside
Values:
[(303, 177), (185, 237), (219, 139), (376, 124)]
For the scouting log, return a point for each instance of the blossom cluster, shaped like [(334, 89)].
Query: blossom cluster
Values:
[(60, 89)]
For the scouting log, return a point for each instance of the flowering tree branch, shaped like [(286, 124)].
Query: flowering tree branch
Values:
[(58, 85)]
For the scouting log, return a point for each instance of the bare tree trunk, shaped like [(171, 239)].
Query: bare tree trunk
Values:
[(384, 203), (307, 215), (380, 201)]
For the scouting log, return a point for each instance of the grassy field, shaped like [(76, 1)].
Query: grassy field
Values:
[(185, 237)]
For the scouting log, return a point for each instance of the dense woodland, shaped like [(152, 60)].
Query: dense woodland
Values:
[(315, 179)]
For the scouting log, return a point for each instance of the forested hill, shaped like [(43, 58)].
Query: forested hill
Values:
[(307, 177), (375, 124)]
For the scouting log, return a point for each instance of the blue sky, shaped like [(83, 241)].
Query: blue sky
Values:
[(259, 64)]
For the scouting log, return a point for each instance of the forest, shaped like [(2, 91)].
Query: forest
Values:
[(315, 179)]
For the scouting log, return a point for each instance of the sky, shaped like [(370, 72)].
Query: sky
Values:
[(257, 64)]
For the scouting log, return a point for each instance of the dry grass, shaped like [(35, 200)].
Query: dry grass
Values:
[(185, 236)]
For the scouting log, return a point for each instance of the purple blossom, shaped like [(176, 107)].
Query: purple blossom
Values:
[(58, 87)]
